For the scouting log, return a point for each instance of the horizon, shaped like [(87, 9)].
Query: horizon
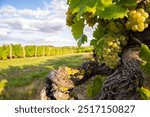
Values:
[(46, 45), (36, 22)]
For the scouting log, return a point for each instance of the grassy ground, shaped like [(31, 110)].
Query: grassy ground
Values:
[(27, 76)]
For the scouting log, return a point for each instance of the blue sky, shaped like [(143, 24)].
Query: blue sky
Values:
[(28, 4), (35, 22)]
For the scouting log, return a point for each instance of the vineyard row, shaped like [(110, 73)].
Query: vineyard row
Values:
[(18, 51)]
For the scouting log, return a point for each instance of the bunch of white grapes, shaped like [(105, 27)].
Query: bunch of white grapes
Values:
[(90, 20), (112, 49), (137, 20), (70, 17)]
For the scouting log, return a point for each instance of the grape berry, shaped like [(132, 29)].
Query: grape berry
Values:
[(112, 49), (90, 19), (70, 17), (137, 20)]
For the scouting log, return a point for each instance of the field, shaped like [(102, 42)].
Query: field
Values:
[(26, 76)]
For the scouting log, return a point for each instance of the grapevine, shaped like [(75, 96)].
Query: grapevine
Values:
[(112, 20), (121, 41)]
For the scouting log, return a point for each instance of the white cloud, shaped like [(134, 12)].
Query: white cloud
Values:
[(39, 26), (57, 5), (33, 13), (7, 10), (4, 32)]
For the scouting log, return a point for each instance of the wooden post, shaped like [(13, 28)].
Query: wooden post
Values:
[(35, 51), (24, 52), (48, 51), (10, 51), (43, 51)]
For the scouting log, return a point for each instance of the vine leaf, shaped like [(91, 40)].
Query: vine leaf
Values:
[(145, 55), (82, 3), (82, 6), (84, 10), (93, 42), (99, 33), (106, 2), (145, 93), (127, 3), (77, 28), (82, 40), (113, 12), (95, 86), (148, 8), (75, 3)]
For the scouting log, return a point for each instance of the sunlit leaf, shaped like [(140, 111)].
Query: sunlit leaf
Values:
[(114, 12), (145, 55), (82, 40), (77, 28)]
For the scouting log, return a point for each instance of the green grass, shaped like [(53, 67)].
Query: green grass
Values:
[(27, 76)]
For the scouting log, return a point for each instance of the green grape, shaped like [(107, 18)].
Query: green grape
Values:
[(141, 10), (104, 55), (138, 14), (120, 26), (104, 49), (68, 1), (141, 27), (112, 49), (118, 49), (134, 17), (146, 25), (118, 42), (90, 20), (146, 15), (141, 19), (109, 57), (122, 38), (110, 43), (113, 27), (108, 50), (132, 12), (70, 17), (128, 25), (113, 57), (137, 20), (114, 45), (135, 27)]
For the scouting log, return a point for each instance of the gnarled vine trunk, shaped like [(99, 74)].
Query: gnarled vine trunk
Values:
[(126, 80), (121, 84)]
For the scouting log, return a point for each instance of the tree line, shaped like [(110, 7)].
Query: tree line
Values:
[(13, 51)]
